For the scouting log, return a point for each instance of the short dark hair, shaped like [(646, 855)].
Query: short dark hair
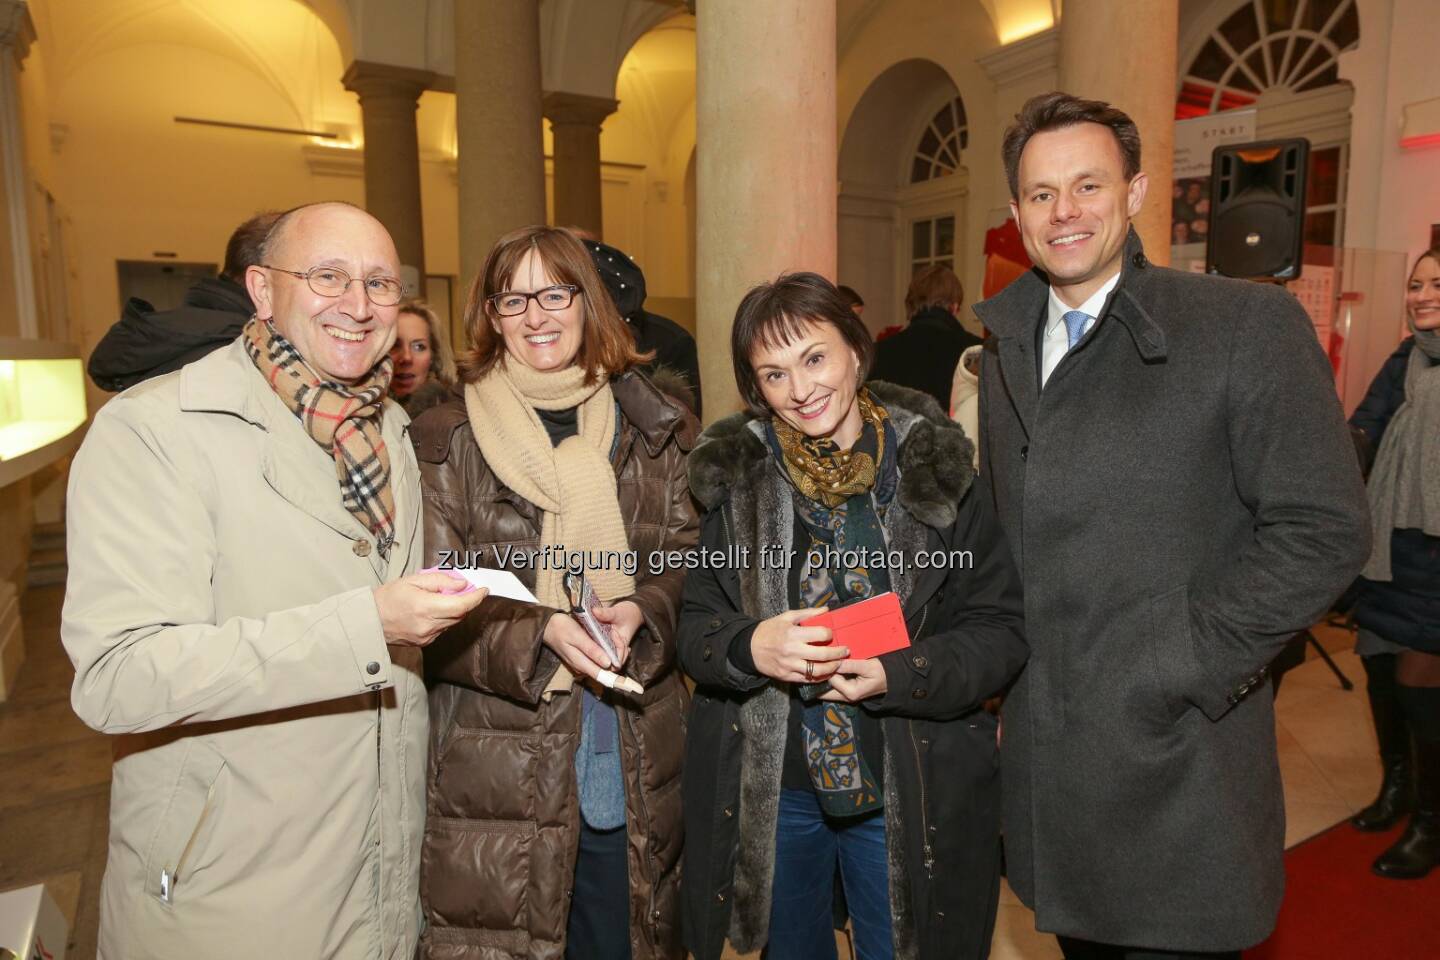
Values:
[(773, 314), (934, 286), (852, 298), (1055, 111), (246, 243)]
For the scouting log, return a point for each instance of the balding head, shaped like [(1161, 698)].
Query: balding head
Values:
[(341, 337)]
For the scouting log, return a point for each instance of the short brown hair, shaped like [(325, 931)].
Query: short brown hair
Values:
[(934, 286), (1055, 111), (606, 347), (245, 245), (773, 314)]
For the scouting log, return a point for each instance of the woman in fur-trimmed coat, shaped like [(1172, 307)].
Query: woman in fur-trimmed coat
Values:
[(797, 758)]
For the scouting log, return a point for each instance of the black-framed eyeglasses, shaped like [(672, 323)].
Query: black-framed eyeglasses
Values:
[(332, 282), (512, 303)]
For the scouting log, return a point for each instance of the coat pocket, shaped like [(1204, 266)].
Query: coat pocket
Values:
[(476, 873), (1173, 649), (181, 830)]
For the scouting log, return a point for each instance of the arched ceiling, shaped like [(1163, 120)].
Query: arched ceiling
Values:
[(283, 41)]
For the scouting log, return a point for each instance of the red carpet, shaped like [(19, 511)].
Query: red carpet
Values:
[(1336, 909)]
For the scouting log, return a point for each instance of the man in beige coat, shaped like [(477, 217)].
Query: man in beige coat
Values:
[(244, 616)]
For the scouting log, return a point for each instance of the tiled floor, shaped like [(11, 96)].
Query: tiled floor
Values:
[(54, 808)]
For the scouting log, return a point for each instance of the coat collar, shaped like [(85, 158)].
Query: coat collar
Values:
[(226, 381), (1015, 313), (1020, 307), (935, 456), (654, 414)]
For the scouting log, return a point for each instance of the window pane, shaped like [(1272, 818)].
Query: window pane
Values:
[(919, 170), (1324, 78), (1241, 30), (1324, 181), (944, 122), (1320, 228), (928, 143), (920, 240), (947, 264), (1210, 63), (945, 237), (1347, 32)]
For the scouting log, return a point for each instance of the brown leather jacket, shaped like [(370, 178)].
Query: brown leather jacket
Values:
[(502, 807)]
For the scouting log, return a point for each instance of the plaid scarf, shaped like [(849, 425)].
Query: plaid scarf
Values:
[(344, 421)]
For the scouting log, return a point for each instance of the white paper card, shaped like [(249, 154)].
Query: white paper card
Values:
[(500, 583)]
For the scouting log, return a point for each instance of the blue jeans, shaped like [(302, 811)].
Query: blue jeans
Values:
[(807, 846)]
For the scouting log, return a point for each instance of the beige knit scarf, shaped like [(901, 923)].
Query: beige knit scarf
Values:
[(572, 483)]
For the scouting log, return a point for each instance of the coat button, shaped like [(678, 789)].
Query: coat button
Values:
[(925, 742), (1139, 261), (918, 693), (1025, 452), (715, 623), (372, 668), (735, 728), (361, 547), (921, 662), (705, 654), (719, 898), (729, 813)]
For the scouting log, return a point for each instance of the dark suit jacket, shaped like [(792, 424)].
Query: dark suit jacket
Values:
[(1181, 498)]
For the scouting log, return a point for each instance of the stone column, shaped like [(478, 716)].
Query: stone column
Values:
[(389, 96), (766, 163), (575, 121), (17, 274), (1109, 51), (498, 124)]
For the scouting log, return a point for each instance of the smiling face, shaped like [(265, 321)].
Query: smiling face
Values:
[(341, 338), (411, 353), (1422, 295), (541, 339), (1075, 206), (812, 383)]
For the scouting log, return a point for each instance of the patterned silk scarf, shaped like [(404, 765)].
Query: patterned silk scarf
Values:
[(840, 771), (343, 420)]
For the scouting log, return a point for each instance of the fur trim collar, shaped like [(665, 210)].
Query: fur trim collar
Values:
[(935, 455)]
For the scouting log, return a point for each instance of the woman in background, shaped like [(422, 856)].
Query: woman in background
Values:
[(1399, 603), (424, 369)]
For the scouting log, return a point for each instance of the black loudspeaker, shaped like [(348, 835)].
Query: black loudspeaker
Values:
[(1257, 208)]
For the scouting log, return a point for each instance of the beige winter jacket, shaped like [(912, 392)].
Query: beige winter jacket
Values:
[(965, 396), (268, 792)]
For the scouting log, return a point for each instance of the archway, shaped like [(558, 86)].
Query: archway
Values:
[(902, 185)]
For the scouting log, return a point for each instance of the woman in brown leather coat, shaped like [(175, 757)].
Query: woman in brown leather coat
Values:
[(553, 802)]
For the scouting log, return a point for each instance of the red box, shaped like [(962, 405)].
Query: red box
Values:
[(868, 628)]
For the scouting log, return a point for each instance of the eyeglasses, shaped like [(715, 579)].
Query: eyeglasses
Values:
[(332, 282), (512, 303)]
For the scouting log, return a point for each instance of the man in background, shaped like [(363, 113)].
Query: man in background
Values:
[(923, 355), (146, 342)]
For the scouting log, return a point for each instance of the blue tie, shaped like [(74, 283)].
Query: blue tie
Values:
[(1075, 322)]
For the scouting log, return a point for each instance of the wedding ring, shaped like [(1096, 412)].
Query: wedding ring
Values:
[(809, 670)]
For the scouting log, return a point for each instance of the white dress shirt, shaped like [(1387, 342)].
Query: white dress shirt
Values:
[(1055, 345)]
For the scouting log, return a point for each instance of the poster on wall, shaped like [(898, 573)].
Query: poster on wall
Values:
[(1315, 289), (1195, 140)]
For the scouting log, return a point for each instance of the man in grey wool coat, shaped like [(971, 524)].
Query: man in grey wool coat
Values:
[(1171, 467)]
